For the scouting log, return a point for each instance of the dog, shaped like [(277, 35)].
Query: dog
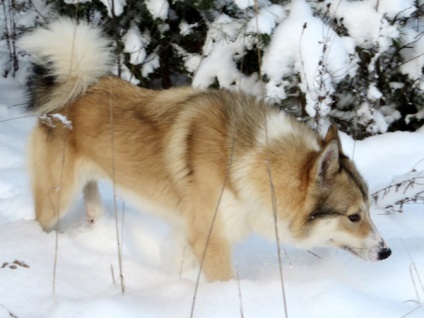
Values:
[(217, 164)]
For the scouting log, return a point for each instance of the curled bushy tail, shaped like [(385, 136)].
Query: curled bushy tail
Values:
[(67, 57)]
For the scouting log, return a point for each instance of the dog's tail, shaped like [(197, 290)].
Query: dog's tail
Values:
[(67, 58)]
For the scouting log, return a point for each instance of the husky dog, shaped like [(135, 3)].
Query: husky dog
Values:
[(194, 157)]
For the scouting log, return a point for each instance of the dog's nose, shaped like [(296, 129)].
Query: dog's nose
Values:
[(384, 253)]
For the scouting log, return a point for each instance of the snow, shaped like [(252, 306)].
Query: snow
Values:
[(76, 1), (266, 20), (116, 5), (414, 59), (223, 42), (334, 285), (374, 93), (158, 8), (400, 8), (48, 120), (135, 45), (304, 55), (158, 272), (244, 4), (151, 64), (298, 45), (187, 29)]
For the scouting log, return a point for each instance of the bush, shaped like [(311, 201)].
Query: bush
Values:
[(356, 63)]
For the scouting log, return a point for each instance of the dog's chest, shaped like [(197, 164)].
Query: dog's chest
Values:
[(234, 219)]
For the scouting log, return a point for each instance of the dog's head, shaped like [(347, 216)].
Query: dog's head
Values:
[(314, 190), (338, 208)]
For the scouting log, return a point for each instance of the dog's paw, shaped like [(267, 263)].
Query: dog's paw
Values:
[(93, 212)]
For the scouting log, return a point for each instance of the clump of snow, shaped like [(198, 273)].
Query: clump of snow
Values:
[(368, 114), (305, 52), (244, 4), (413, 54), (48, 119), (266, 20), (38, 8), (364, 23), (117, 6), (368, 25), (76, 1), (151, 64), (158, 8), (135, 44), (191, 60), (125, 74), (395, 8), (303, 44), (373, 92), (187, 29), (419, 115), (225, 41)]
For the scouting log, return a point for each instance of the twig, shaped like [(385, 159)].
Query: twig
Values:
[(21, 117), (115, 208), (314, 254), (274, 210), (113, 274), (59, 198), (412, 311), (11, 314), (182, 261), (271, 183), (117, 37), (412, 269), (122, 220), (302, 62), (257, 39), (417, 197), (239, 294), (419, 161), (56, 247)]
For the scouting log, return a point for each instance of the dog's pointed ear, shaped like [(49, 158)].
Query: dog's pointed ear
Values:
[(327, 163), (333, 134)]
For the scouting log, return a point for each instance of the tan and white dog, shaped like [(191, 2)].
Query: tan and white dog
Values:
[(186, 153)]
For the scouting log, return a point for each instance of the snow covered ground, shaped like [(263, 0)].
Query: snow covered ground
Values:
[(335, 284)]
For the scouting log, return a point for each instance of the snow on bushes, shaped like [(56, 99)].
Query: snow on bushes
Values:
[(356, 63)]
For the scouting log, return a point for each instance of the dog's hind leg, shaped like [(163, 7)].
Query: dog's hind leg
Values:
[(93, 202), (54, 184)]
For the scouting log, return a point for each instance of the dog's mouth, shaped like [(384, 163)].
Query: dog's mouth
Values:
[(367, 254), (357, 252)]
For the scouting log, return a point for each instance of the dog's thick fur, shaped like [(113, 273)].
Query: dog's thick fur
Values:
[(176, 150)]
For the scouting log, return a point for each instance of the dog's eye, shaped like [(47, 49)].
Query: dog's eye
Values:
[(354, 218)]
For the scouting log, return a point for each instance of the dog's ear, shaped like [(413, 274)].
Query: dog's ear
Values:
[(327, 164), (333, 134)]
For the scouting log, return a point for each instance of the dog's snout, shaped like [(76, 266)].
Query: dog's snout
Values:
[(384, 253)]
